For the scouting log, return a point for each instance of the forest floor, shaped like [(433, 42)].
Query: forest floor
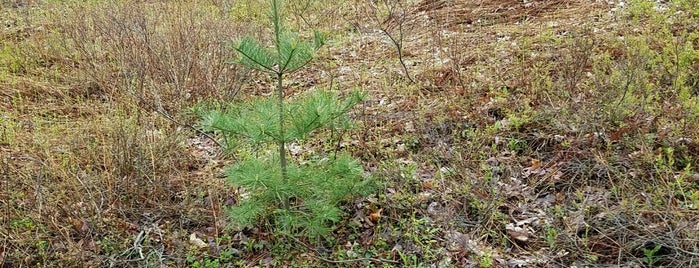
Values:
[(503, 133)]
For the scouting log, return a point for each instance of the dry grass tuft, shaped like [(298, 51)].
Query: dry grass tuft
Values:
[(160, 52)]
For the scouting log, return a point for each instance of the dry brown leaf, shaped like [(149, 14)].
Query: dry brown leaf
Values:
[(77, 224), (375, 216), (194, 240), (516, 232), (427, 184)]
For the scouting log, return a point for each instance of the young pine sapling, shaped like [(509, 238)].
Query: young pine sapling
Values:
[(298, 199)]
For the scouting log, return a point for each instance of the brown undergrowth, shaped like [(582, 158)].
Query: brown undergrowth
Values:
[(536, 134)]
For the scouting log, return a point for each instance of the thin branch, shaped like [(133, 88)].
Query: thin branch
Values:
[(158, 109), (397, 41), (360, 259), (340, 261), (253, 60), (288, 60)]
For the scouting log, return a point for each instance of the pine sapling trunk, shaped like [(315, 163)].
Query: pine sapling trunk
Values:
[(280, 91), (282, 137)]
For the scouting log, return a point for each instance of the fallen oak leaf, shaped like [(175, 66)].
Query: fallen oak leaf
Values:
[(427, 184), (516, 232), (534, 169), (197, 241), (375, 216)]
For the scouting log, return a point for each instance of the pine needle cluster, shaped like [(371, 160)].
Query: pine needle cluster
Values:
[(294, 198)]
